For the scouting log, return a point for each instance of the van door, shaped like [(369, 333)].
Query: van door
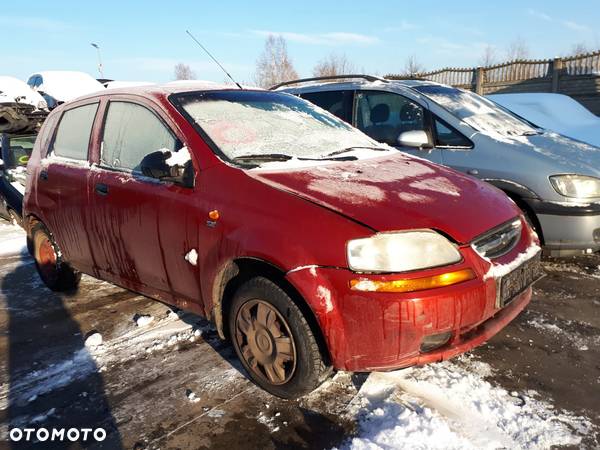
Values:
[(62, 185), (143, 228), (385, 115)]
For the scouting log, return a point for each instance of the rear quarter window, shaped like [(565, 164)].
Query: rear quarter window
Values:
[(74, 131)]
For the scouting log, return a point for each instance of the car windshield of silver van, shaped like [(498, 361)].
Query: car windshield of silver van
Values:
[(251, 127), (480, 113)]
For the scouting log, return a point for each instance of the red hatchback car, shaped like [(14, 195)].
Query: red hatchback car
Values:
[(309, 245)]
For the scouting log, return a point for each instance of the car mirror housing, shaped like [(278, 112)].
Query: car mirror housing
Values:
[(154, 165), (414, 139)]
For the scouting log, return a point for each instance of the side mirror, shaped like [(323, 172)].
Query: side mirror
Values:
[(414, 139), (154, 165)]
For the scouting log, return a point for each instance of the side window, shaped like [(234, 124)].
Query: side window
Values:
[(384, 115), (130, 133), (449, 137), (338, 103), (74, 131)]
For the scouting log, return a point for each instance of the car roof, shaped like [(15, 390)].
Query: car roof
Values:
[(166, 89), (360, 84)]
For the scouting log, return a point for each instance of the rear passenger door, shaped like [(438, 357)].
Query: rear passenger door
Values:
[(62, 185), (143, 227)]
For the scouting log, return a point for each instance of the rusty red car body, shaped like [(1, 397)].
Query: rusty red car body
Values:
[(284, 220)]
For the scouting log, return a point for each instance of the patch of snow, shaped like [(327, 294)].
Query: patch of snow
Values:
[(192, 257), (143, 320), (499, 270), (67, 85), (325, 295), (579, 341), (13, 90), (451, 406), (125, 84), (354, 192), (13, 240), (414, 198), (191, 395), (441, 185), (93, 340), (556, 112), (179, 158), (311, 268)]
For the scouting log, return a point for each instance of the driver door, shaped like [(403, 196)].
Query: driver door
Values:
[(384, 116), (142, 227)]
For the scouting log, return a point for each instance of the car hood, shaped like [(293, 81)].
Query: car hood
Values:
[(398, 192), (572, 154)]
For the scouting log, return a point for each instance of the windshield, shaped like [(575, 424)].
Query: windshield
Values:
[(478, 112), (254, 123)]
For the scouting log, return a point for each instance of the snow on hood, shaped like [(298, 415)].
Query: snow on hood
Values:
[(67, 85), (13, 90), (398, 192)]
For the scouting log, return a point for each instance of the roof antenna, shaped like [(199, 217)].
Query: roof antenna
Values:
[(213, 58)]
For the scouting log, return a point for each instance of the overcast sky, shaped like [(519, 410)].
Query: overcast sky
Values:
[(142, 41)]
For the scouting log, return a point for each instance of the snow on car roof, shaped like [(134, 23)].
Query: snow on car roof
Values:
[(65, 85), (13, 90), (310, 86)]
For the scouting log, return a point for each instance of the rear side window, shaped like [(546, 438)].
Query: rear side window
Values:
[(74, 131), (131, 132), (338, 103)]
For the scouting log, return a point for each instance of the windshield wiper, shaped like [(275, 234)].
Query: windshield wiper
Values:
[(263, 157), (349, 149)]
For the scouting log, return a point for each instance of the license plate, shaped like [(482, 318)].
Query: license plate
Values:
[(515, 282)]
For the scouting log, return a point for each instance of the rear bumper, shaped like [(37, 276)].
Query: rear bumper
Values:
[(373, 331), (569, 227)]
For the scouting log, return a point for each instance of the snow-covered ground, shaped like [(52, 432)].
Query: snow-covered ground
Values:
[(162, 378)]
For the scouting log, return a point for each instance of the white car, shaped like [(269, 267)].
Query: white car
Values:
[(555, 112), (58, 86), (21, 109)]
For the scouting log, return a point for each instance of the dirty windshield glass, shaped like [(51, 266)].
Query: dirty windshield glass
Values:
[(251, 123), (477, 111)]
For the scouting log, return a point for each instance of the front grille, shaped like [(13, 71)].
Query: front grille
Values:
[(498, 241)]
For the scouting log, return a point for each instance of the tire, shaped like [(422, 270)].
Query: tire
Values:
[(275, 330), (56, 274)]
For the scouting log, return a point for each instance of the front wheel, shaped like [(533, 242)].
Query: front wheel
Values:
[(274, 341), (54, 272)]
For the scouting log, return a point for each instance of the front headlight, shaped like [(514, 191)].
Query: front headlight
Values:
[(576, 186), (401, 252)]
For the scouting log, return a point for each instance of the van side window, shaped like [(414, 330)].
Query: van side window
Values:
[(449, 137), (384, 115), (74, 131), (131, 132), (338, 103)]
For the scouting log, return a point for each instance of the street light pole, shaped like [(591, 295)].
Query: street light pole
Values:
[(97, 47)]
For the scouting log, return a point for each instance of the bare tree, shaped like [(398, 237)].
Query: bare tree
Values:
[(488, 56), (412, 66), (517, 49), (333, 65), (579, 49), (184, 72), (274, 64)]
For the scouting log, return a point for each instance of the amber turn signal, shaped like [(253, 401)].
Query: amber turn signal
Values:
[(213, 215), (414, 284)]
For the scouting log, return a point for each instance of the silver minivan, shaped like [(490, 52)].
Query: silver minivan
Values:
[(554, 179)]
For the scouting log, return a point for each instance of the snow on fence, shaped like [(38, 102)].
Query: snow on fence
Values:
[(577, 76)]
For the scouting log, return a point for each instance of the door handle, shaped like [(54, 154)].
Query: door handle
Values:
[(102, 189), (44, 174)]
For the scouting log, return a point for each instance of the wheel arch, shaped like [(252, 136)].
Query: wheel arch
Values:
[(237, 271)]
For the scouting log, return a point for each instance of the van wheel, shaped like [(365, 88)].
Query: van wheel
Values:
[(54, 272), (274, 341)]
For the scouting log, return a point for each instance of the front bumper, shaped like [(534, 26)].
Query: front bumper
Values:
[(372, 331), (566, 227)]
